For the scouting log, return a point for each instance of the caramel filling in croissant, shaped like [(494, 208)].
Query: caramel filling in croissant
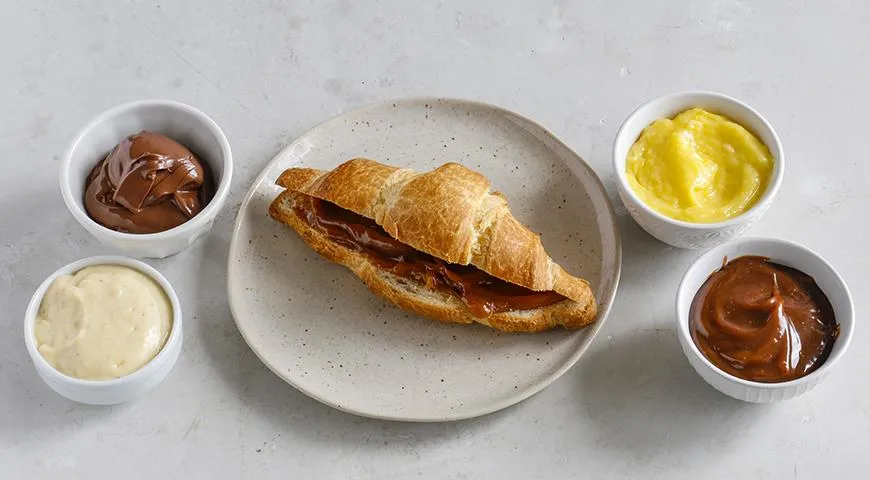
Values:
[(480, 291)]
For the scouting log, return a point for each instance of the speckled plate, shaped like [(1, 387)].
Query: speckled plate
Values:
[(316, 325)]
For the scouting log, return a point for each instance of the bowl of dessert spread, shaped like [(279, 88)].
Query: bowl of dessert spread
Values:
[(104, 330), (763, 319), (147, 178), (696, 169)]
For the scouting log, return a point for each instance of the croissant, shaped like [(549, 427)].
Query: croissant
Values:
[(441, 244)]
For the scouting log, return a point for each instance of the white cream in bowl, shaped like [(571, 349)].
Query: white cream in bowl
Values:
[(102, 322), (93, 350)]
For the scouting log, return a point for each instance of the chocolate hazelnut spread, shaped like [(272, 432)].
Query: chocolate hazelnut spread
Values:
[(147, 184), (480, 291), (762, 321)]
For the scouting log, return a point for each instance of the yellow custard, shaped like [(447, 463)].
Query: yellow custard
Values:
[(698, 167)]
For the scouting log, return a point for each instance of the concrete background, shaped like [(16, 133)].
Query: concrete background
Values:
[(266, 71)]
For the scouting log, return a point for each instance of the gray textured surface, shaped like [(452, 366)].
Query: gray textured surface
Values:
[(267, 71)]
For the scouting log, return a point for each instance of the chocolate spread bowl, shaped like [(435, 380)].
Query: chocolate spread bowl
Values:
[(784, 253), (182, 123)]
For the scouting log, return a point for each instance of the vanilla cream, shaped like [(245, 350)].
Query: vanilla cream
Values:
[(103, 322)]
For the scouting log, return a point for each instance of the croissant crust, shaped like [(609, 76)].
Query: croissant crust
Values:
[(450, 213)]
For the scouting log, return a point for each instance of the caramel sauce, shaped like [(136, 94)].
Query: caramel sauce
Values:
[(762, 321), (480, 291)]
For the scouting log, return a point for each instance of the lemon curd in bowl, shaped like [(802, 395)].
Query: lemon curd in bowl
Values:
[(699, 167)]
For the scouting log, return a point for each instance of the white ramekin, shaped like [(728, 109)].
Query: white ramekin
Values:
[(183, 123), (785, 253), (686, 234), (119, 390)]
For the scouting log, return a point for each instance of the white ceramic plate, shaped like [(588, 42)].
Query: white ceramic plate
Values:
[(317, 326)]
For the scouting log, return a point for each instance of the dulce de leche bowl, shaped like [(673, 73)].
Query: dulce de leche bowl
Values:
[(182, 123), (784, 253)]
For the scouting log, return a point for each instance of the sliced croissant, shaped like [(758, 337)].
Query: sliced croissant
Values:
[(449, 213)]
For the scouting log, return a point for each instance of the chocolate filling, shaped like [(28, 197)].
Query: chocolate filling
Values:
[(480, 291), (148, 183)]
